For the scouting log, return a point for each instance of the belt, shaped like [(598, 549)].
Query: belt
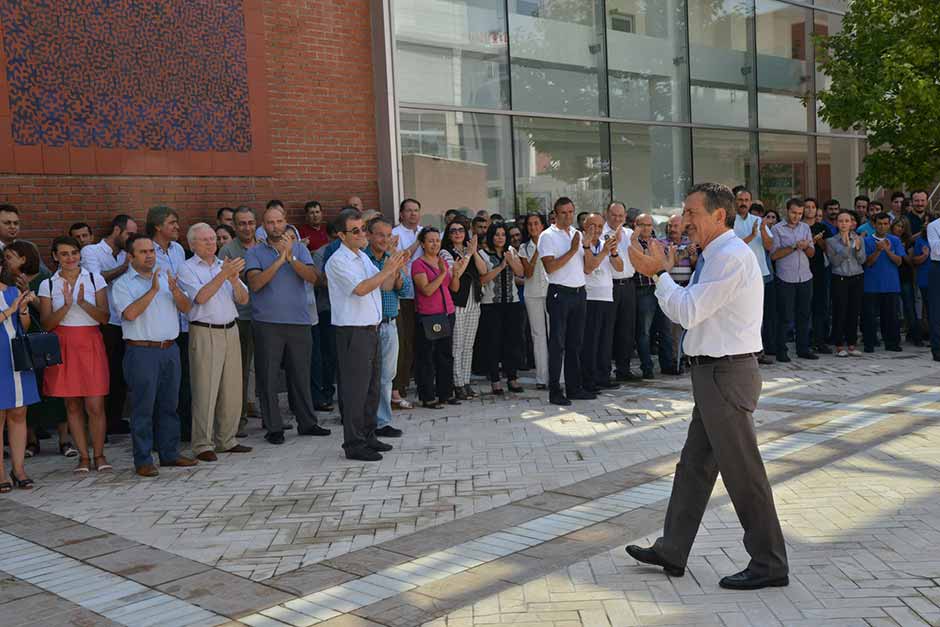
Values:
[(623, 281), (389, 319), (704, 360), (645, 287), (165, 344), (564, 289), (212, 326)]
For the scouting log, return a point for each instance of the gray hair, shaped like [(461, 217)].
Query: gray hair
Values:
[(717, 196), (243, 209), (194, 231)]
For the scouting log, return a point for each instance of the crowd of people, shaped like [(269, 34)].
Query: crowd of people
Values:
[(172, 344)]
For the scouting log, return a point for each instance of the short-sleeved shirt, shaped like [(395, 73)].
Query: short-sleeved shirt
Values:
[(76, 316), (160, 321), (316, 238), (440, 301), (322, 293), (818, 263), (883, 277), (407, 237), (917, 222), (284, 299), (193, 276), (170, 261), (236, 250), (554, 243), (536, 286), (600, 283), (794, 268), (681, 272), (502, 289), (743, 227), (345, 270), (923, 269), (866, 229), (389, 297), (626, 237), (100, 258)]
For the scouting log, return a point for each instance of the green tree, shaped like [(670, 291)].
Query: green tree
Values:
[(885, 70)]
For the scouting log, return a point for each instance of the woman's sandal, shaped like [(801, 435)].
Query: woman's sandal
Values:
[(84, 465), (401, 404), (22, 484), (32, 449), (102, 465), (432, 405), (5, 487), (68, 449), (515, 389)]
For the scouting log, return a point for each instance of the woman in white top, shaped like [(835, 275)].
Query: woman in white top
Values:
[(536, 287), (600, 261), (501, 312), (72, 304)]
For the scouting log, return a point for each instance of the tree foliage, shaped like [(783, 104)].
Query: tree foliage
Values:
[(885, 70)]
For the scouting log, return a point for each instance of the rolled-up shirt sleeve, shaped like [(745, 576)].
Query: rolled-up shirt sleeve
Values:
[(689, 306), (342, 277)]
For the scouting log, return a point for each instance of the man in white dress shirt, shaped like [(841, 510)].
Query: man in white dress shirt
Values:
[(721, 309), (409, 216), (624, 293), (933, 287), (355, 286), (215, 362)]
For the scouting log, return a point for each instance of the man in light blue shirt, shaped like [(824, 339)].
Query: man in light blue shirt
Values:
[(150, 302), (793, 248)]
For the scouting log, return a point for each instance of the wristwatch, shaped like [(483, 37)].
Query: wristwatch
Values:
[(658, 276)]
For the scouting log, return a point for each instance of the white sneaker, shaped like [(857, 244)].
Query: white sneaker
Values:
[(842, 353), (855, 352)]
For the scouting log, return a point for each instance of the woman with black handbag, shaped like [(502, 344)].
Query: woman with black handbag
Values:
[(17, 389), (434, 320), (73, 303)]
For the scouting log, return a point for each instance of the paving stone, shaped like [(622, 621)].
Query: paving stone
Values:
[(310, 579), (148, 566), (12, 589), (224, 593)]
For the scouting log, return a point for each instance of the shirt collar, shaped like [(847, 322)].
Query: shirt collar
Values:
[(82, 272), (718, 242), (385, 255), (196, 260)]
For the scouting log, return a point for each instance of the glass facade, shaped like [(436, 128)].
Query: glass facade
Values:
[(505, 105)]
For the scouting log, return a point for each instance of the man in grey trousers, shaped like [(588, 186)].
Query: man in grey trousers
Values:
[(721, 310)]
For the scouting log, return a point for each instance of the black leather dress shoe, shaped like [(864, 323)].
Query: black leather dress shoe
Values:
[(809, 355), (747, 580), (378, 445), (628, 376), (650, 556), (557, 397), (315, 430), (582, 395), (274, 437), (363, 454)]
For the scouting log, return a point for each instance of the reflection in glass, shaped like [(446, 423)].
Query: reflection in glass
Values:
[(783, 168), (838, 164), (722, 71), (561, 158), (783, 77), (558, 59), (458, 161), (723, 157), (825, 24), (452, 52), (648, 55), (651, 166)]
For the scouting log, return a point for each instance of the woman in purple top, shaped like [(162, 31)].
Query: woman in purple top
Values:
[(434, 359)]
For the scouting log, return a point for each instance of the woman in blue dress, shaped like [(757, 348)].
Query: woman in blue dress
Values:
[(17, 389)]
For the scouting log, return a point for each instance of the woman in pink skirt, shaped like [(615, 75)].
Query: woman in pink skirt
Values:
[(72, 303)]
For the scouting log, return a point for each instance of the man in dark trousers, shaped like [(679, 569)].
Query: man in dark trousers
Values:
[(721, 309)]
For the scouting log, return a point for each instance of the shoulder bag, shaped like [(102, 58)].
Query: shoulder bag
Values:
[(437, 326), (34, 351)]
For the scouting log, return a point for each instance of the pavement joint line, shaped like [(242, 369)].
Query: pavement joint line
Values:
[(95, 589), (550, 524)]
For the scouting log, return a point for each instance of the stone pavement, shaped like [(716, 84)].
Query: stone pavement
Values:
[(299, 520)]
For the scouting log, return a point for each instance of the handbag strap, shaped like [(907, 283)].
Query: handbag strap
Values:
[(441, 288)]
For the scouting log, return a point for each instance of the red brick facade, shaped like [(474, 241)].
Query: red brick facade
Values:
[(315, 135)]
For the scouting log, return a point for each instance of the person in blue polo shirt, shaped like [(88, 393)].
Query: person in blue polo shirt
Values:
[(885, 253)]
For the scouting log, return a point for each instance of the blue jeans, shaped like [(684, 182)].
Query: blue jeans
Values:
[(388, 354), (910, 311), (153, 381), (323, 361), (651, 322)]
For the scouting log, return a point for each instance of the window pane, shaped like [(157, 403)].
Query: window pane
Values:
[(839, 5), (557, 49), (647, 54), (722, 157), (561, 158), (825, 24), (721, 64), (838, 164), (783, 168), (651, 166), (452, 52), (456, 161), (783, 77)]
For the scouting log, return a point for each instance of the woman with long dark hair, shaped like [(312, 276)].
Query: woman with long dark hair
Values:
[(536, 288), (502, 313)]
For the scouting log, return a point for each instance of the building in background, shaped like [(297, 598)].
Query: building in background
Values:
[(505, 105)]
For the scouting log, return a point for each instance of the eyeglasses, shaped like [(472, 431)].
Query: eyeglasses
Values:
[(355, 231), (458, 229)]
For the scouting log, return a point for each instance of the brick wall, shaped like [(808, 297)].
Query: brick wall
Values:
[(320, 121)]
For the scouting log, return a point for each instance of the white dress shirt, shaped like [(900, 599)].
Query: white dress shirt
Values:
[(626, 235), (933, 238), (76, 316), (100, 258), (555, 243), (407, 237), (723, 311), (344, 271), (743, 227), (193, 275), (600, 283)]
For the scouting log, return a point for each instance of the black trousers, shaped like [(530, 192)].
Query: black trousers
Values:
[(846, 307), (358, 375), (566, 313), (434, 364), (794, 302), (503, 342), (287, 345), (624, 324), (185, 407), (884, 306), (113, 337), (821, 285), (768, 330), (722, 439), (598, 343)]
